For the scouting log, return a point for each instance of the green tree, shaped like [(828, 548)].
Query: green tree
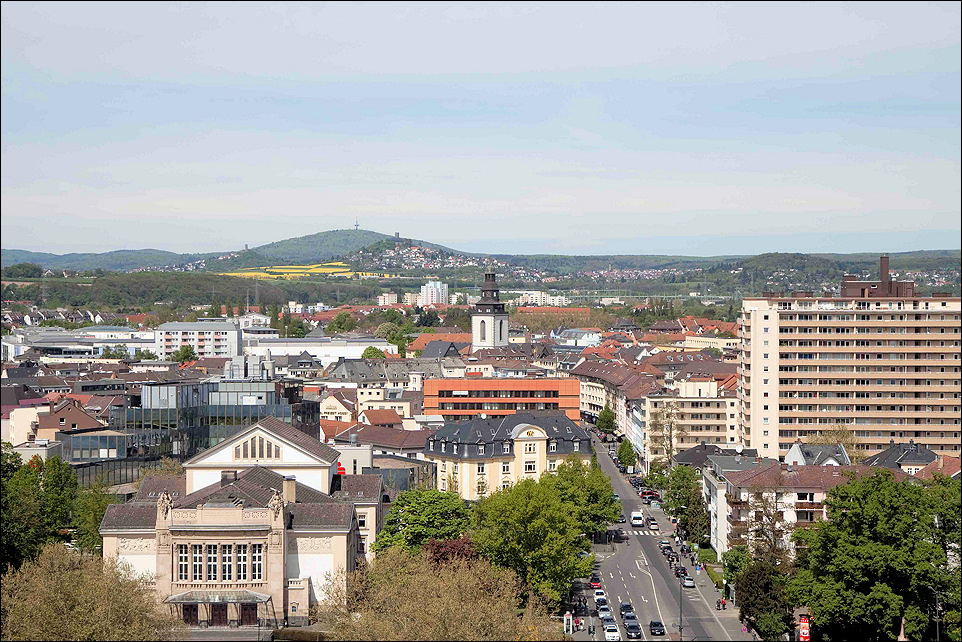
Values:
[(529, 529), (626, 454), (606, 420), (734, 561), (589, 490), (385, 330), (23, 271), (58, 490), (343, 322), (417, 516), (89, 509), (371, 352), (64, 596), (22, 519), (119, 352), (682, 481), (880, 558), (146, 355), (762, 599), (184, 353)]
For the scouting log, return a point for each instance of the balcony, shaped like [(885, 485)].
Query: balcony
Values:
[(808, 506)]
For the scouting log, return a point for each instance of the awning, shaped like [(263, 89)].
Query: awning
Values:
[(217, 597)]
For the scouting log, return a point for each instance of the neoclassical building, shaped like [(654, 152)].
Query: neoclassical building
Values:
[(238, 539), (480, 456)]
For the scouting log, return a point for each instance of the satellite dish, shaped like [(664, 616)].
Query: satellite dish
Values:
[(739, 448)]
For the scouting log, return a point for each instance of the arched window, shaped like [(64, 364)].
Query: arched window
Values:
[(484, 331), (501, 331)]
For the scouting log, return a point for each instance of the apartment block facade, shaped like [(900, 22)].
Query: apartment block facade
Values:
[(208, 338), (879, 360)]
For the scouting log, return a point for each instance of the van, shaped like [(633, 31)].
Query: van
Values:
[(637, 518)]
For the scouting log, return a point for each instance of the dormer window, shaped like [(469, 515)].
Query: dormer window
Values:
[(577, 445), (480, 449), (552, 447), (507, 448)]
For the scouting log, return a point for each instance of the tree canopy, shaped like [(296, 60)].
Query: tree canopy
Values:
[(184, 353), (343, 322), (371, 352), (881, 558), (589, 490), (417, 516), (606, 420), (626, 453), (531, 530)]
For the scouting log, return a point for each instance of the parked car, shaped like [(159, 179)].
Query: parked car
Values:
[(622, 519), (621, 535), (604, 611), (652, 524), (626, 607), (655, 627), (595, 581), (611, 633), (616, 497), (633, 631), (600, 593), (688, 582)]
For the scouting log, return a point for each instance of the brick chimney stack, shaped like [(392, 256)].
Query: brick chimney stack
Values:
[(883, 269)]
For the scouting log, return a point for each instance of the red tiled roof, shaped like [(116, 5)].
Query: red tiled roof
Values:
[(382, 417), (943, 465), (424, 339)]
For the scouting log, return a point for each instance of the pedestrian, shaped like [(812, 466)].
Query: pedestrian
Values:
[(723, 602)]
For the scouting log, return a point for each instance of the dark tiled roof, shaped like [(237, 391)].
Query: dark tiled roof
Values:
[(697, 456), (451, 438), (254, 487), (902, 454), (130, 516), (329, 515), (366, 487), (816, 454), (152, 486)]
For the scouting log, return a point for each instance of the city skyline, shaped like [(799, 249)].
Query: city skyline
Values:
[(601, 129)]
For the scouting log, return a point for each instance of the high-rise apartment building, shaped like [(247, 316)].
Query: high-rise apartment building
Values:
[(434, 293), (879, 360)]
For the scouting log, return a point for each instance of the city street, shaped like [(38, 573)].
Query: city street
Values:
[(634, 570)]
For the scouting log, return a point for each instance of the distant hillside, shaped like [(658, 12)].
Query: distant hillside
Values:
[(116, 260), (318, 247)]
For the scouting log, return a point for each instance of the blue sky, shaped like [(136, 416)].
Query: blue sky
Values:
[(574, 128)]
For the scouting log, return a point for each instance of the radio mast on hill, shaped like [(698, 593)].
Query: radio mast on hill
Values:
[(356, 226)]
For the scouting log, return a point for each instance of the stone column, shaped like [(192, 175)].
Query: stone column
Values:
[(275, 562), (164, 569)]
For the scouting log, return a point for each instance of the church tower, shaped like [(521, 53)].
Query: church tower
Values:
[(489, 322)]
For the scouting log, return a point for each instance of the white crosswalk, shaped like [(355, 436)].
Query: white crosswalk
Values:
[(639, 532)]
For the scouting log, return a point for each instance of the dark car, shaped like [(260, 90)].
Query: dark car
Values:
[(656, 627), (595, 581), (668, 550), (626, 607), (680, 571), (621, 535), (622, 519), (633, 631)]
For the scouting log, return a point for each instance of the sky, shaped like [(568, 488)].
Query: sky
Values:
[(642, 128)]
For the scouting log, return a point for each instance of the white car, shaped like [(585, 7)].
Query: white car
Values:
[(600, 593), (612, 634)]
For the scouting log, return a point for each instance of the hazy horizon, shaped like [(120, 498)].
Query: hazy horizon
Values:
[(568, 128)]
